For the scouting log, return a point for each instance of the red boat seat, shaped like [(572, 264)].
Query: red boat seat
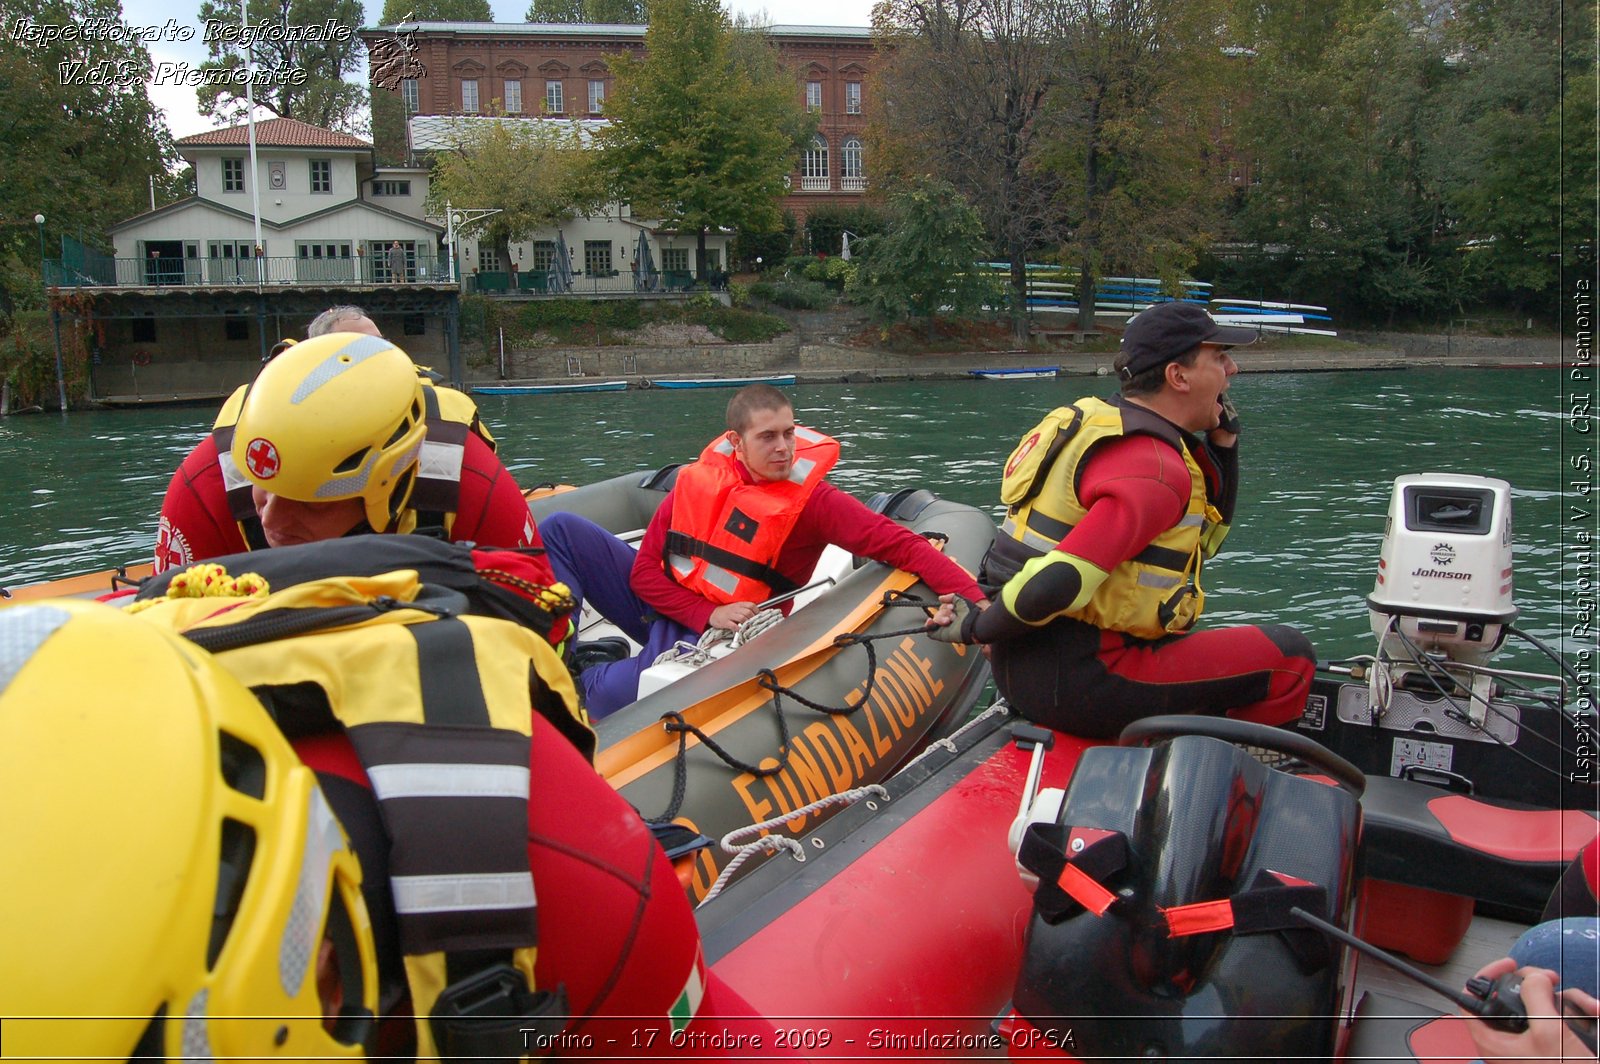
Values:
[(1506, 857)]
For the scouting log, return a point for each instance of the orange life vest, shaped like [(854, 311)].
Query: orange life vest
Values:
[(726, 533)]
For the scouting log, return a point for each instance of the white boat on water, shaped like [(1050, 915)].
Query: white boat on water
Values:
[(1018, 373)]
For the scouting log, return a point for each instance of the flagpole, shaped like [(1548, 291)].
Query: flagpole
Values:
[(250, 119)]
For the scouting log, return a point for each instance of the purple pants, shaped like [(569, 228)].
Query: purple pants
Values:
[(595, 566)]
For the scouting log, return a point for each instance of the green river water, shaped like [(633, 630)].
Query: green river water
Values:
[(1320, 453)]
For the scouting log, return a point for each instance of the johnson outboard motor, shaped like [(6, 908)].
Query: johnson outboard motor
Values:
[(1162, 924), (1442, 597)]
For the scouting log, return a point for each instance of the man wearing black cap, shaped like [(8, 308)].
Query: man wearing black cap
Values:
[(1112, 506)]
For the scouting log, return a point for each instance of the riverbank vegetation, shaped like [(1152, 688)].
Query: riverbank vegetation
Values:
[(1393, 160), (1403, 162)]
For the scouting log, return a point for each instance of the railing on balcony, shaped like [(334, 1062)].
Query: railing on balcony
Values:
[(611, 283), (813, 184), (273, 270), (852, 184)]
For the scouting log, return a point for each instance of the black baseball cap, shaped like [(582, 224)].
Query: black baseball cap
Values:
[(1161, 333)]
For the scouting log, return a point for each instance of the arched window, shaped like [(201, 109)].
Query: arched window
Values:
[(814, 168), (853, 177)]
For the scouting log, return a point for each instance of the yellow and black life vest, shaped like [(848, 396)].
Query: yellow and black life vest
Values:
[(1156, 592), (726, 533), (436, 706), (431, 509)]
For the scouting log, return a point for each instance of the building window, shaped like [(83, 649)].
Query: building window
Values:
[(235, 328), (469, 96), (852, 177), (338, 250), (414, 325), (597, 96), (813, 96), (321, 175), (513, 97), (488, 260), (814, 167), (852, 97), (544, 255), (597, 256), (675, 260), (391, 188), (142, 330), (233, 175), (409, 96), (552, 98)]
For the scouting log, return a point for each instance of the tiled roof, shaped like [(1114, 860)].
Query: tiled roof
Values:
[(278, 133)]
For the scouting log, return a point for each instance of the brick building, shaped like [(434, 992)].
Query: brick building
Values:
[(554, 70)]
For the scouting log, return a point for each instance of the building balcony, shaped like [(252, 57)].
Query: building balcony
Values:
[(814, 184), (531, 283), (852, 184), (103, 271)]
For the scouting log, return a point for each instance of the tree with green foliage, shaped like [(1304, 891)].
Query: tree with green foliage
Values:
[(398, 11), (964, 85), (1344, 209), (296, 77), (1515, 142), (704, 128), (537, 174), (923, 265), (1133, 125), (613, 12), (80, 150)]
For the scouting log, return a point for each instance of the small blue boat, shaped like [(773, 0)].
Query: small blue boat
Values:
[(1019, 373), (550, 389), (719, 382)]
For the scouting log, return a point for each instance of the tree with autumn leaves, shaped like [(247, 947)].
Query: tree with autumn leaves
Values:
[(705, 127)]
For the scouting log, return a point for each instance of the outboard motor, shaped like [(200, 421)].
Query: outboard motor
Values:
[(1443, 590), (1161, 926)]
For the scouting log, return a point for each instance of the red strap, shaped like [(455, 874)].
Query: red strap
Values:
[(1083, 890), (1198, 918)]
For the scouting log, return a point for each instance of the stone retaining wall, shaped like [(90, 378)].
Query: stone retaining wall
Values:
[(1489, 348), (630, 361)]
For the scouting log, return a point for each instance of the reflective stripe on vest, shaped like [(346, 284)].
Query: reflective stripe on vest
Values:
[(1157, 591), (445, 745), (726, 534)]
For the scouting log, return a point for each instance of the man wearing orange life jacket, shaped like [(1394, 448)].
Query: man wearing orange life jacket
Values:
[(747, 521)]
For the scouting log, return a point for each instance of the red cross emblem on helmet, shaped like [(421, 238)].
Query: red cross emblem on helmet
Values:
[(262, 459)]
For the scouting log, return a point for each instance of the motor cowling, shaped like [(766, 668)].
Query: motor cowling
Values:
[(1164, 842), (1444, 571)]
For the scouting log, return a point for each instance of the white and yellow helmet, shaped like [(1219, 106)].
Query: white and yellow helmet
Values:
[(175, 883), (339, 416)]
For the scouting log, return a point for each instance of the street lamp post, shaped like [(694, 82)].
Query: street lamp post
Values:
[(55, 315)]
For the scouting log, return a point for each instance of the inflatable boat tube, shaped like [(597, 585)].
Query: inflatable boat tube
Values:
[(916, 689)]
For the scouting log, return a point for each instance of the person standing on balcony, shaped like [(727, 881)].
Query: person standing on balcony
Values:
[(397, 262)]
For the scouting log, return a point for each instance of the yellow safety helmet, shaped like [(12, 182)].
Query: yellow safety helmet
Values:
[(175, 885), (339, 416)]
